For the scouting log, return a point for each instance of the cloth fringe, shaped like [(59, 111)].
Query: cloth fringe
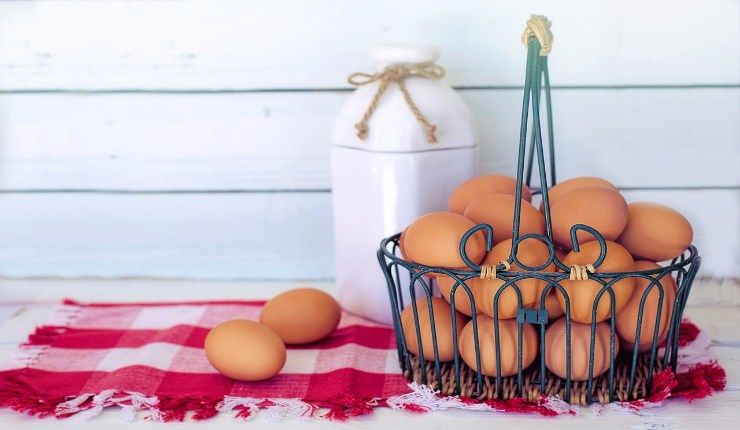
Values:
[(424, 399), (40, 340), (700, 381), (137, 405)]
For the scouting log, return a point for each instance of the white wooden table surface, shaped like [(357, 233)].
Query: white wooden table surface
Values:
[(715, 306)]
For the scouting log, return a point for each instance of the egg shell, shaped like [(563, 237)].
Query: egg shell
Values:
[(245, 350), (462, 300), (497, 210), (656, 232), (599, 207), (552, 305), (302, 315), (508, 346), (626, 321), (566, 186), (582, 293), (442, 328), (580, 349), (480, 186), (530, 252), (434, 240)]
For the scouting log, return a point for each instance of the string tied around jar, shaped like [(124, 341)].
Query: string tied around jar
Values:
[(397, 73)]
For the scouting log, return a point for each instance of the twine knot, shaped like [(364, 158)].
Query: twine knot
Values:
[(539, 27), (580, 273), (397, 73), (488, 271)]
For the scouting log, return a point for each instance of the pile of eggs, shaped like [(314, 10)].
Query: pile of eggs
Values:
[(638, 236), (249, 350)]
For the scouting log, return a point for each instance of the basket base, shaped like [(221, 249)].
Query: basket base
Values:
[(555, 386)]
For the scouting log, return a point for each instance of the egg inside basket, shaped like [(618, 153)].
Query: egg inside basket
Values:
[(527, 306)]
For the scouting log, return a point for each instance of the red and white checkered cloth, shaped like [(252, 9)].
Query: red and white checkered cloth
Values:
[(149, 358), (155, 352)]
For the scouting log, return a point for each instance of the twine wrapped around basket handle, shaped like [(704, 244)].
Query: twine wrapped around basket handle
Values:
[(397, 73), (580, 273), (488, 271), (539, 27)]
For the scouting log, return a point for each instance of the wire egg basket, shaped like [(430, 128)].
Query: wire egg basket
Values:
[(629, 375)]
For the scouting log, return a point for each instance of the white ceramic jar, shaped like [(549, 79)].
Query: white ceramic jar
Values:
[(384, 182)]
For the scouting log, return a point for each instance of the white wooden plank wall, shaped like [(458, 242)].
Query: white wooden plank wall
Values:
[(313, 44), (191, 138)]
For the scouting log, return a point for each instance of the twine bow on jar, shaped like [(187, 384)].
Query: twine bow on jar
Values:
[(397, 73)]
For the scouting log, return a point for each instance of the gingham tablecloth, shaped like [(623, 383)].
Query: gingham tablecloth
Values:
[(148, 360)]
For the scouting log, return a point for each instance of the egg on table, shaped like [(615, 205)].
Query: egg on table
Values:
[(245, 350), (302, 315), (497, 210), (582, 293), (480, 186), (508, 346), (655, 232), (442, 328), (434, 240)]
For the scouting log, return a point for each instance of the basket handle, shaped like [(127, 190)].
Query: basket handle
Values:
[(538, 39)]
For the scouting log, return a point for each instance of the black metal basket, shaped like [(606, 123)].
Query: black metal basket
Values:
[(629, 375)]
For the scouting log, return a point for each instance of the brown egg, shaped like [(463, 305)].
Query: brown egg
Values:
[(580, 349), (626, 323), (462, 301), (552, 305), (480, 186), (442, 328), (599, 207), (245, 350), (531, 252), (302, 315), (497, 210), (508, 346), (582, 294), (434, 240), (656, 232), (564, 187)]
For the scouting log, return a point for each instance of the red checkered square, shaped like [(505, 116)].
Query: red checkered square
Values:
[(156, 351)]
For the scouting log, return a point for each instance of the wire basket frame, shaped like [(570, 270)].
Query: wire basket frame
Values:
[(632, 364)]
